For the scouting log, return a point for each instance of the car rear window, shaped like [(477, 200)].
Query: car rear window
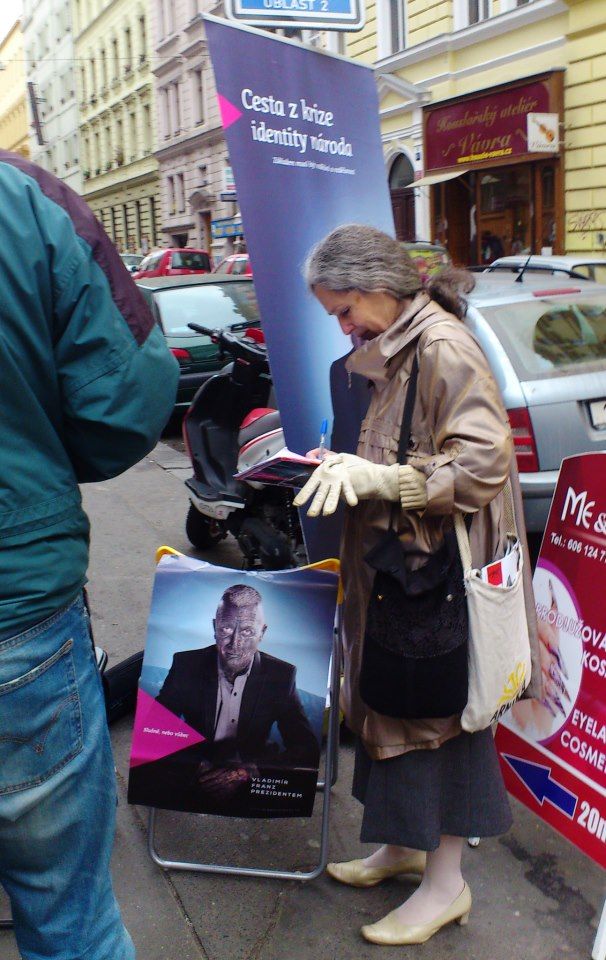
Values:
[(214, 305), (547, 336), (190, 260)]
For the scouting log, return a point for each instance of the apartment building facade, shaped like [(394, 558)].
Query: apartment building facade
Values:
[(198, 194), (493, 120), (198, 200), (117, 119), (13, 109), (51, 77)]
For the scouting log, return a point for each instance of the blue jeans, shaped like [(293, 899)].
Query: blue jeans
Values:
[(57, 794)]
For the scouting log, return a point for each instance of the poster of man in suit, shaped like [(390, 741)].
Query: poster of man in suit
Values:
[(228, 726)]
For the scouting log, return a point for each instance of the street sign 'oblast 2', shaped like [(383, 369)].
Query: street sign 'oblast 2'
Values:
[(307, 14)]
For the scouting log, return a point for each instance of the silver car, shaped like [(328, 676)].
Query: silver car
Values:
[(585, 266), (545, 339)]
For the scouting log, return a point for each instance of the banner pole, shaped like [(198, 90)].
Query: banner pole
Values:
[(599, 947)]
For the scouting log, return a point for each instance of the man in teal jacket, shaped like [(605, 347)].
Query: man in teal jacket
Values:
[(86, 385)]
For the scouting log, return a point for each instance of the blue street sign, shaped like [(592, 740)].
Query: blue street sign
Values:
[(299, 14), (228, 227), (537, 777)]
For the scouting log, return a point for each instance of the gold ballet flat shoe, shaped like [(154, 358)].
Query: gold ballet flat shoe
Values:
[(355, 873), (392, 932)]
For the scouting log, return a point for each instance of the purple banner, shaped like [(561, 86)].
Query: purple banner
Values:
[(302, 128)]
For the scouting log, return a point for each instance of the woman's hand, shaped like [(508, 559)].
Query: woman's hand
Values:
[(343, 476), (320, 454)]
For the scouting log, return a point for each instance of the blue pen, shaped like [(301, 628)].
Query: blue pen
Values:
[(322, 444)]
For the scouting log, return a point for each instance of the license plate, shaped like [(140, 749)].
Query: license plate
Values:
[(597, 412)]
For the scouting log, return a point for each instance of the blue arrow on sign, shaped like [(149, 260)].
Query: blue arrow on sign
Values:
[(537, 778)]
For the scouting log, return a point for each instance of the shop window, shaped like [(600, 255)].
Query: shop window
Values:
[(152, 221), (504, 221), (548, 214), (492, 193), (138, 222)]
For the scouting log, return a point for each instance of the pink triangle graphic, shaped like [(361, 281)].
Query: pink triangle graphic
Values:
[(229, 113), (158, 732)]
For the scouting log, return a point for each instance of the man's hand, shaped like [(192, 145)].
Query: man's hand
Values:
[(223, 783)]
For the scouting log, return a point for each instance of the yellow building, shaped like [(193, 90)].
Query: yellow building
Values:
[(117, 119), (496, 111), (13, 110)]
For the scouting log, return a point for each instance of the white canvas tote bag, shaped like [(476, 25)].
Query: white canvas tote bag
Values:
[(499, 647)]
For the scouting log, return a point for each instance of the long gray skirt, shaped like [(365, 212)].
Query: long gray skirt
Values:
[(413, 799)]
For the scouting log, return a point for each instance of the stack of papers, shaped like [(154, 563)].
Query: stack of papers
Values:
[(503, 572), (284, 468)]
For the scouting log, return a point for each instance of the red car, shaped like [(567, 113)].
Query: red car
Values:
[(174, 262), (237, 265)]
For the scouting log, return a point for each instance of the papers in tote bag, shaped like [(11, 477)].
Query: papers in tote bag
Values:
[(503, 572)]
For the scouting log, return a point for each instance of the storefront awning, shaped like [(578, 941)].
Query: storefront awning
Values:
[(432, 178)]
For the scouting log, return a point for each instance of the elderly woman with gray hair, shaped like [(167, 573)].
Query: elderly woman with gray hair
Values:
[(425, 783)]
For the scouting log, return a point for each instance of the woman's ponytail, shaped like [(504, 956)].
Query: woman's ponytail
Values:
[(448, 289)]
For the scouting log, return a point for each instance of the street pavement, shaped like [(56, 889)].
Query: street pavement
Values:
[(535, 896)]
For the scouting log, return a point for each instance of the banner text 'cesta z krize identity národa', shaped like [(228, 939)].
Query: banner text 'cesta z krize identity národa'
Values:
[(302, 128)]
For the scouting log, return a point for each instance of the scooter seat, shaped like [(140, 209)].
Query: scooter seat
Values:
[(260, 425)]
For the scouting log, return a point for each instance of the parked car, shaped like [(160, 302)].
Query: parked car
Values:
[(545, 340), (211, 301), (131, 261), (238, 264), (585, 267), (174, 262), (429, 257)]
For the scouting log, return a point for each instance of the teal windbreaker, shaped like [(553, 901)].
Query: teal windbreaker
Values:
[(86, 385)]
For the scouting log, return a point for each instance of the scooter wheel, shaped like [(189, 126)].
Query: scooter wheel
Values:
[(202, 532)]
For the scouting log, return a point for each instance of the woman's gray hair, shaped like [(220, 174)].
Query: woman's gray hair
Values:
[(359, 257)]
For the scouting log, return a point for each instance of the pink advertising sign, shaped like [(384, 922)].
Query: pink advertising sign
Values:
[(553, 752)]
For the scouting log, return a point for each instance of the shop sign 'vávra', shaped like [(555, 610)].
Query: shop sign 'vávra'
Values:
[(488, 127)]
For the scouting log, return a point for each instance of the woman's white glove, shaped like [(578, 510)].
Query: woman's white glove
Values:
[(344, 476)]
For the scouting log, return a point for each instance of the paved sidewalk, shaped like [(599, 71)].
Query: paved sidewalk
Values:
[(535, 896)]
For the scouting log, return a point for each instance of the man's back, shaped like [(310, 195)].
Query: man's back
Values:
[(87, 384)]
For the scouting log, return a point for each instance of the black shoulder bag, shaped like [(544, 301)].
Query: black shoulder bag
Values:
[(414, 660)]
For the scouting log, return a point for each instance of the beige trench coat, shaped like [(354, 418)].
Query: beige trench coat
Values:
[(461, 441)]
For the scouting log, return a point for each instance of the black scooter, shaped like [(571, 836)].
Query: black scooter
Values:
[(232, 424)]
